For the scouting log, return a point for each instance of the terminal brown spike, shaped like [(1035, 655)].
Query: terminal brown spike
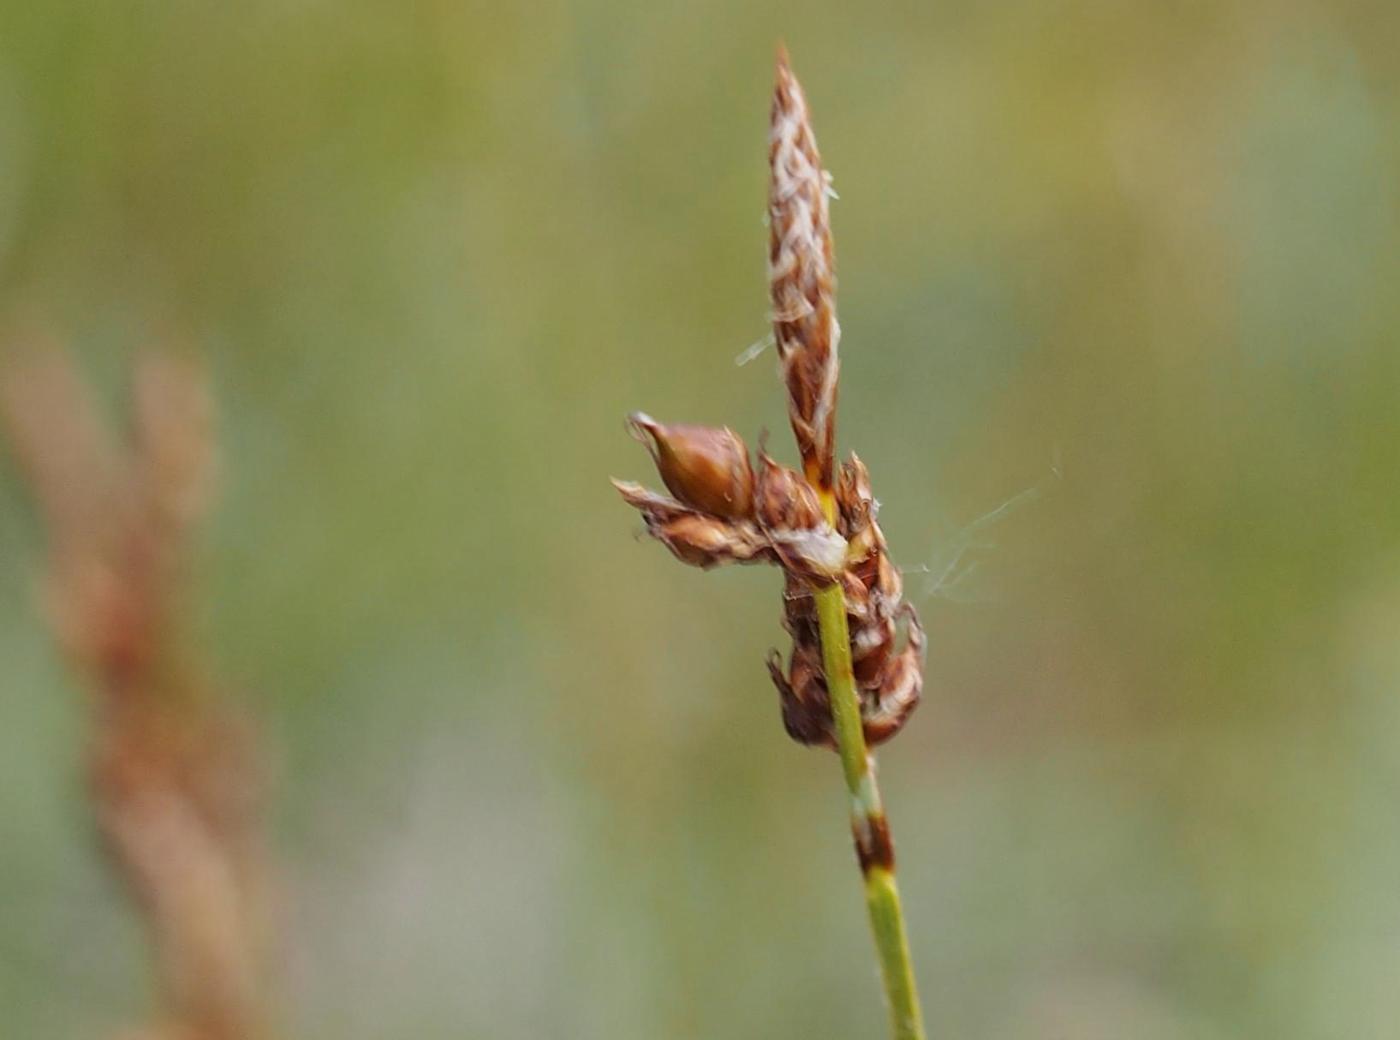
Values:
[(801, 276)]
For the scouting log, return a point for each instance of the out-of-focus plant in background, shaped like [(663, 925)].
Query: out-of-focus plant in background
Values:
[(1142, 258)]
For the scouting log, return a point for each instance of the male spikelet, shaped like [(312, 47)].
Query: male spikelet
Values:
[(802, 277)]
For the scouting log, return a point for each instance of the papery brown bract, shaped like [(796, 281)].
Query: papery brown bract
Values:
[(900, 690), (694, 537), (855, 502), (705, 541), (784, 498), (803, 697)]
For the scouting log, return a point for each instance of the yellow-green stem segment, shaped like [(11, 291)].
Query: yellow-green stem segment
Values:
[(868, 824)]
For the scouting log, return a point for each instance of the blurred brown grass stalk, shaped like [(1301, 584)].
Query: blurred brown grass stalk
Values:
[(174, 776)]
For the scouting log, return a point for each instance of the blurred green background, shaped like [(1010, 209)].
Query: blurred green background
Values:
[(1140, 258)]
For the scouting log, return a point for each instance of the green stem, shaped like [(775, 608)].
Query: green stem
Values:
[(868, 824)]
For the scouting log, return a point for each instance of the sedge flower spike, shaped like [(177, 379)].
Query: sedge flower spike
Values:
[(802, 277), (847, 685)]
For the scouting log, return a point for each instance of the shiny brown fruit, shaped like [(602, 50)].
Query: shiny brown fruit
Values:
[(706, 467)]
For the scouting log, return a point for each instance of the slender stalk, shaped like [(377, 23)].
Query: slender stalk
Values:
[(869, 827)]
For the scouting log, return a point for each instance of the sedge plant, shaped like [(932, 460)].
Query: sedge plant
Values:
[(847, 684)]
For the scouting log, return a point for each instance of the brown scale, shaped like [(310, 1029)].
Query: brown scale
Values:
[(885, 705)]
